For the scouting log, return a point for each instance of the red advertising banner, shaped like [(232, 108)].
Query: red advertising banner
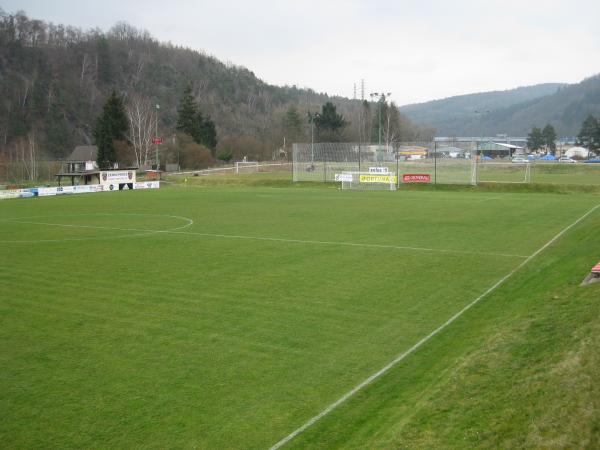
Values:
[(157, 141), (416, 178)]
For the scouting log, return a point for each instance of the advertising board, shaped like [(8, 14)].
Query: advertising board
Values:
[(47, 191), (416, 178), (343, 177), (59, 190), (147, 185), (77, 189), (10, 193), (111, 177), (379, 170), (378, 179)]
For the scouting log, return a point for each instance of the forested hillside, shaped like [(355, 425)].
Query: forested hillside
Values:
[(450, 114), (55, 79), (565, 110), (513, 112)]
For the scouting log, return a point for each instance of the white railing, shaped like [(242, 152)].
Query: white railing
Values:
[(224, 169)]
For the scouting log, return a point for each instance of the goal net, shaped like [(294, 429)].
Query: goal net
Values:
[(504, 172), (367, 181), (246, 166)]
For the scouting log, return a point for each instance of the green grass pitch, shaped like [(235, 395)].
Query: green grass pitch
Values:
[(226, 317)]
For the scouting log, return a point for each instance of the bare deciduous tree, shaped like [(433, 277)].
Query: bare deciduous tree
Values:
[(29, 156), (142, 117)]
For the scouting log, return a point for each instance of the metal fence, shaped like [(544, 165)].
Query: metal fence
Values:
[(322, 161), (442, 163)]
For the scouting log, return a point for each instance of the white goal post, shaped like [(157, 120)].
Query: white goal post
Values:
[(246, 166), (367, 181), (504, 172)]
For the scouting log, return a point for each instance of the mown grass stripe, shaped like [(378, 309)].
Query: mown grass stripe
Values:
[(259, 238)]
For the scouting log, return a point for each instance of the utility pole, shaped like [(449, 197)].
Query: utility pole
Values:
[(361, 120)]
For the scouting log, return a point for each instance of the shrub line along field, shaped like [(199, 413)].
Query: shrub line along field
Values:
[(226, 317)]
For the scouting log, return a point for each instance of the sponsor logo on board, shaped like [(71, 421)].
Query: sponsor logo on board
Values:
[(343, 177), (378, 179), (379, 170), (416, 178)]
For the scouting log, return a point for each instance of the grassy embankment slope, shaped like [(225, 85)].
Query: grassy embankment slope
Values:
[(519, 370)]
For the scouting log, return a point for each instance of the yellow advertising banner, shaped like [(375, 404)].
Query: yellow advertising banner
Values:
[(378, 178)]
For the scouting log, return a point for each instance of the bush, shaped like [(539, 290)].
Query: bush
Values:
[(225, 155)]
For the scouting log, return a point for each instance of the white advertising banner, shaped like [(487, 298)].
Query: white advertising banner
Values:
[(147, 185), (11, 193), (58, 190), (65, 190), (343, 177), (78, 189), (87, 188), (46, 191)]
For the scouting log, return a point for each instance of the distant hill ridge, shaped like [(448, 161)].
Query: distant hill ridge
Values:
[(513, 111)]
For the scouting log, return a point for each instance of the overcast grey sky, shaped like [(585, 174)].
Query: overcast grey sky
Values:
[(417, 49)]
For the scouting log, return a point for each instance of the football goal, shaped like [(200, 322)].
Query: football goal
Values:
[(367, 181), (504, 172), (246, 166)]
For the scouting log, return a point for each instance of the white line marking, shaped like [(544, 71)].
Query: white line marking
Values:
[(271, 239), (412, 349), (142, 231)]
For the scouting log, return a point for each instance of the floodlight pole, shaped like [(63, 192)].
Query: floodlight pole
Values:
[(156, 137), (380, 100), (359, 135), (434, 162), (312, 135)]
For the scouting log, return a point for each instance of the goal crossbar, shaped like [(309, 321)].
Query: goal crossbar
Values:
[(246, 166)]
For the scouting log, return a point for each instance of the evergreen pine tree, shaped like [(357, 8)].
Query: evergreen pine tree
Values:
[(292, 124), (111, 126), (104, 61), (107, 154), (209, 135), (535, 139), (114, 111), (549, 137), (589, 135), (188, 113), (329, 121), (191, 121), (596, 138)]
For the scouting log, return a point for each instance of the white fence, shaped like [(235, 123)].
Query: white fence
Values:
[(231, 169)]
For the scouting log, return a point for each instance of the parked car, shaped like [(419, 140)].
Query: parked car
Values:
[(520, 160), (566, 159)]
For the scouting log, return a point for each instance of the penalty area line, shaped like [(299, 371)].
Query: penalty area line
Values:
[(420, 343)]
